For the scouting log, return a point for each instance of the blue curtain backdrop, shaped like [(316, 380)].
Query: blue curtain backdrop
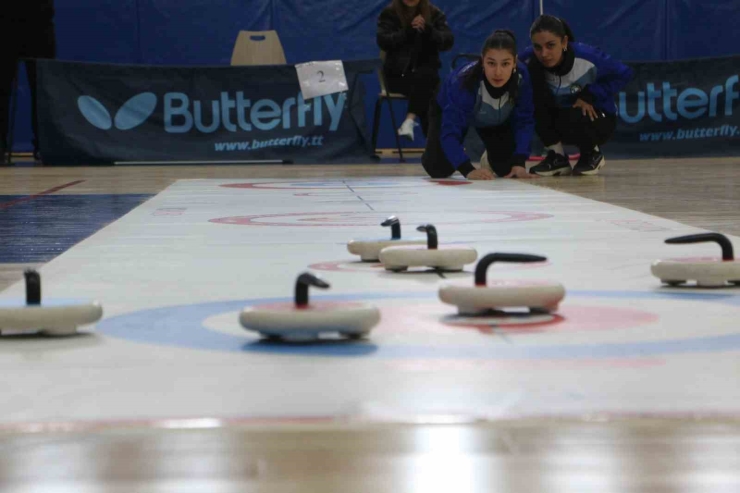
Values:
[(202, 32)]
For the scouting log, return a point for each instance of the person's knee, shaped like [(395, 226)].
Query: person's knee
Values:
[(543, 129), (435, 169), (439, 174), (574, 116), (606, 129), (548, 135), (499, 165)]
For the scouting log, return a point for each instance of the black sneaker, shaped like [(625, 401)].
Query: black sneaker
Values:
[(553, 165), (590, 163)]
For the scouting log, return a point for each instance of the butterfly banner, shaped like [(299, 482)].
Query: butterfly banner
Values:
[(131, 114), (680, 108)]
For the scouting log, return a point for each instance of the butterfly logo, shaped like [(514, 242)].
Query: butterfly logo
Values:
[(133, 113)]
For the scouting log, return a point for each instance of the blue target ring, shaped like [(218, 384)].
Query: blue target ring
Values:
[(182, 326)]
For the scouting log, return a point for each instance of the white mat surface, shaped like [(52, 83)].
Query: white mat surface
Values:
[(172, 282)]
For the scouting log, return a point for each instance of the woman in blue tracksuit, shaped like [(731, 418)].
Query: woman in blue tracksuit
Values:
[(494, 96), (574, 88)]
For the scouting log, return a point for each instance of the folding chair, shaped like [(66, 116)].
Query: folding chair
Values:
[(384, 96), (258, 48), (10, 137)]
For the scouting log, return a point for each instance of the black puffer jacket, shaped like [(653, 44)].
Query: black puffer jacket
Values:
[(408, 49), (28, 11)]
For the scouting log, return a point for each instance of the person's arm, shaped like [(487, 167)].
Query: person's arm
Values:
[(459, 105), (522, 120), (440, 32), (391, 34), (611, 77)]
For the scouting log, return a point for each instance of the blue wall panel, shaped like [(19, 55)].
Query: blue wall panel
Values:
[(627, 29), (202, 32), (103, 31), (197, 32), (702, 28), (321, 31)]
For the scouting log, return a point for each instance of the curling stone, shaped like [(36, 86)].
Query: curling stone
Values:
[(450, 258), (708, 272), (52, 317), (369, 250), (302, 321), (484, 297)]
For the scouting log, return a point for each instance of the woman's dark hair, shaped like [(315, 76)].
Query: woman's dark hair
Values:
[(552, 24), (501, 39), (406, 14), (557, 26)]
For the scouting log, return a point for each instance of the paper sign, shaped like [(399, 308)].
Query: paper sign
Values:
[(321, 78)]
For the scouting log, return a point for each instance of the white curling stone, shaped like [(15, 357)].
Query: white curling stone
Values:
[(286, 321), (499, 295), (447, 257), (707, 272), (369, 250), (52, 317)]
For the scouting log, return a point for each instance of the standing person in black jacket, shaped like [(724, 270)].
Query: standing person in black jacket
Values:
[(412, 33), (26, 31)]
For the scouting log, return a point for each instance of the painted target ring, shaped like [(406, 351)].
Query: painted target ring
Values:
[(184, 327), (362, 219), (344, 184)]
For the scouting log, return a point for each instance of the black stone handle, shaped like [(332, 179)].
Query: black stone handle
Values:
[(33, 287), (721, 240), (395, 225), (431, 231), (301, 287), (482, 268)]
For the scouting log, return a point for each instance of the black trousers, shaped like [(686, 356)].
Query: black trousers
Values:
[(569, 126), (23, 39), (419, 86), (499, 141)]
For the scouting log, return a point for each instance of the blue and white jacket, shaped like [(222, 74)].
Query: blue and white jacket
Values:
[(587, 73), (462, 108)]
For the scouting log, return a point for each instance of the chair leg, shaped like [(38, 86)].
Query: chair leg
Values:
[(376, 123), (395, 131), (11, 120)]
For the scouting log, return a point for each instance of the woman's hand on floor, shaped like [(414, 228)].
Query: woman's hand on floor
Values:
[(480, 174), (520, 172)]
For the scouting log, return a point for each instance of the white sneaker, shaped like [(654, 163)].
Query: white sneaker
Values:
[(407, 129)]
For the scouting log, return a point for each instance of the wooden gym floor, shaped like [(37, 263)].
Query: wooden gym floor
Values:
[(643, 454)]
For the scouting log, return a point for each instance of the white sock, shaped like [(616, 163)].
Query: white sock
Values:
[(596, 148), (558, 148)]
